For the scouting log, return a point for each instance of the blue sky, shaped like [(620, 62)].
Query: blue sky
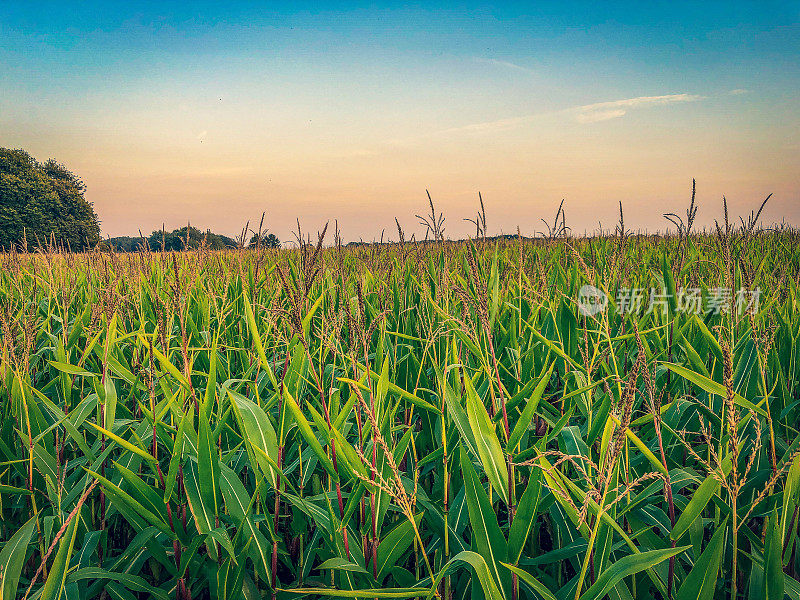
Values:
[(176, 111)]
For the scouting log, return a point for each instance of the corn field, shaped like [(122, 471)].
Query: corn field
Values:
[(410, 420)]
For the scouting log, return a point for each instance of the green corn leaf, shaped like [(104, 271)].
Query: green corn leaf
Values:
[(53, 588), (71, 369), (537, 585), (110, 400), (258, 431), (208, 464), (481, 569), (701, 582), (310, 315), (341, 564), (774, 579), (669, 283), (308, 434), (529, 411), (201, 510), (146, 496), (229, 580), (456, 411), (211, 384), (176, 459), (791, 494), (525, 518), (396, 389), (494, 289), (394, 545), (251, 324), (487, 444), (133, 510), (368, 593), (625, 567), (124, 443), (488, 540), (712, 387), (12, 557), (700, 499), (131, 582), (166, 364), (240, 506)]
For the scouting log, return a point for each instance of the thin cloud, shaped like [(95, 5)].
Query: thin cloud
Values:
[(504, 64), (643, 100), (739, 91), (587, 113), (599, 115), (603, 111), (493, 125)]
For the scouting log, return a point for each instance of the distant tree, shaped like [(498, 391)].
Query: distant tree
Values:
[(267, 241), (188, 238), (40, 203), (123, 243)]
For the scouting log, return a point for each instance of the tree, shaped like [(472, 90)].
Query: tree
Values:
[(123, 243), (188, 238), (267, 241), (43, 203)]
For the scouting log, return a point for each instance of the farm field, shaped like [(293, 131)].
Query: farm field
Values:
[(555, 418)]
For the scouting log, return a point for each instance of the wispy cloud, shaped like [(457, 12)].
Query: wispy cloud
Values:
[(739, 91), (504, 64), (595, 116), (603, 111), (587, 113), (493, 125)]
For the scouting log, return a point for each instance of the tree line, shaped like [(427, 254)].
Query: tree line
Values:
[(43, 205)]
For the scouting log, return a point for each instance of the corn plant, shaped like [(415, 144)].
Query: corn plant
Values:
[(411, 420)]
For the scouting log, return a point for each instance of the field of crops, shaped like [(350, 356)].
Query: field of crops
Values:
[(449, 420)]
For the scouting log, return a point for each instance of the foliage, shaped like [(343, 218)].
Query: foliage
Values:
[(123, 243), (42, 204), (188, 238), (267, 240), (401, 421), (173, 240)]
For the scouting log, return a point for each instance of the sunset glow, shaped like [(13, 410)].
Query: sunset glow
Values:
[(348, 113)]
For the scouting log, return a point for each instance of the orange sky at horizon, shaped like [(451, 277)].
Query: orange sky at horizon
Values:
[(353, 114)]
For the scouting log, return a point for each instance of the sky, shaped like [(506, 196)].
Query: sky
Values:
[(212, 113)]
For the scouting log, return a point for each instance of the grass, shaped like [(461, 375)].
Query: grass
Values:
[(402, 421)]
